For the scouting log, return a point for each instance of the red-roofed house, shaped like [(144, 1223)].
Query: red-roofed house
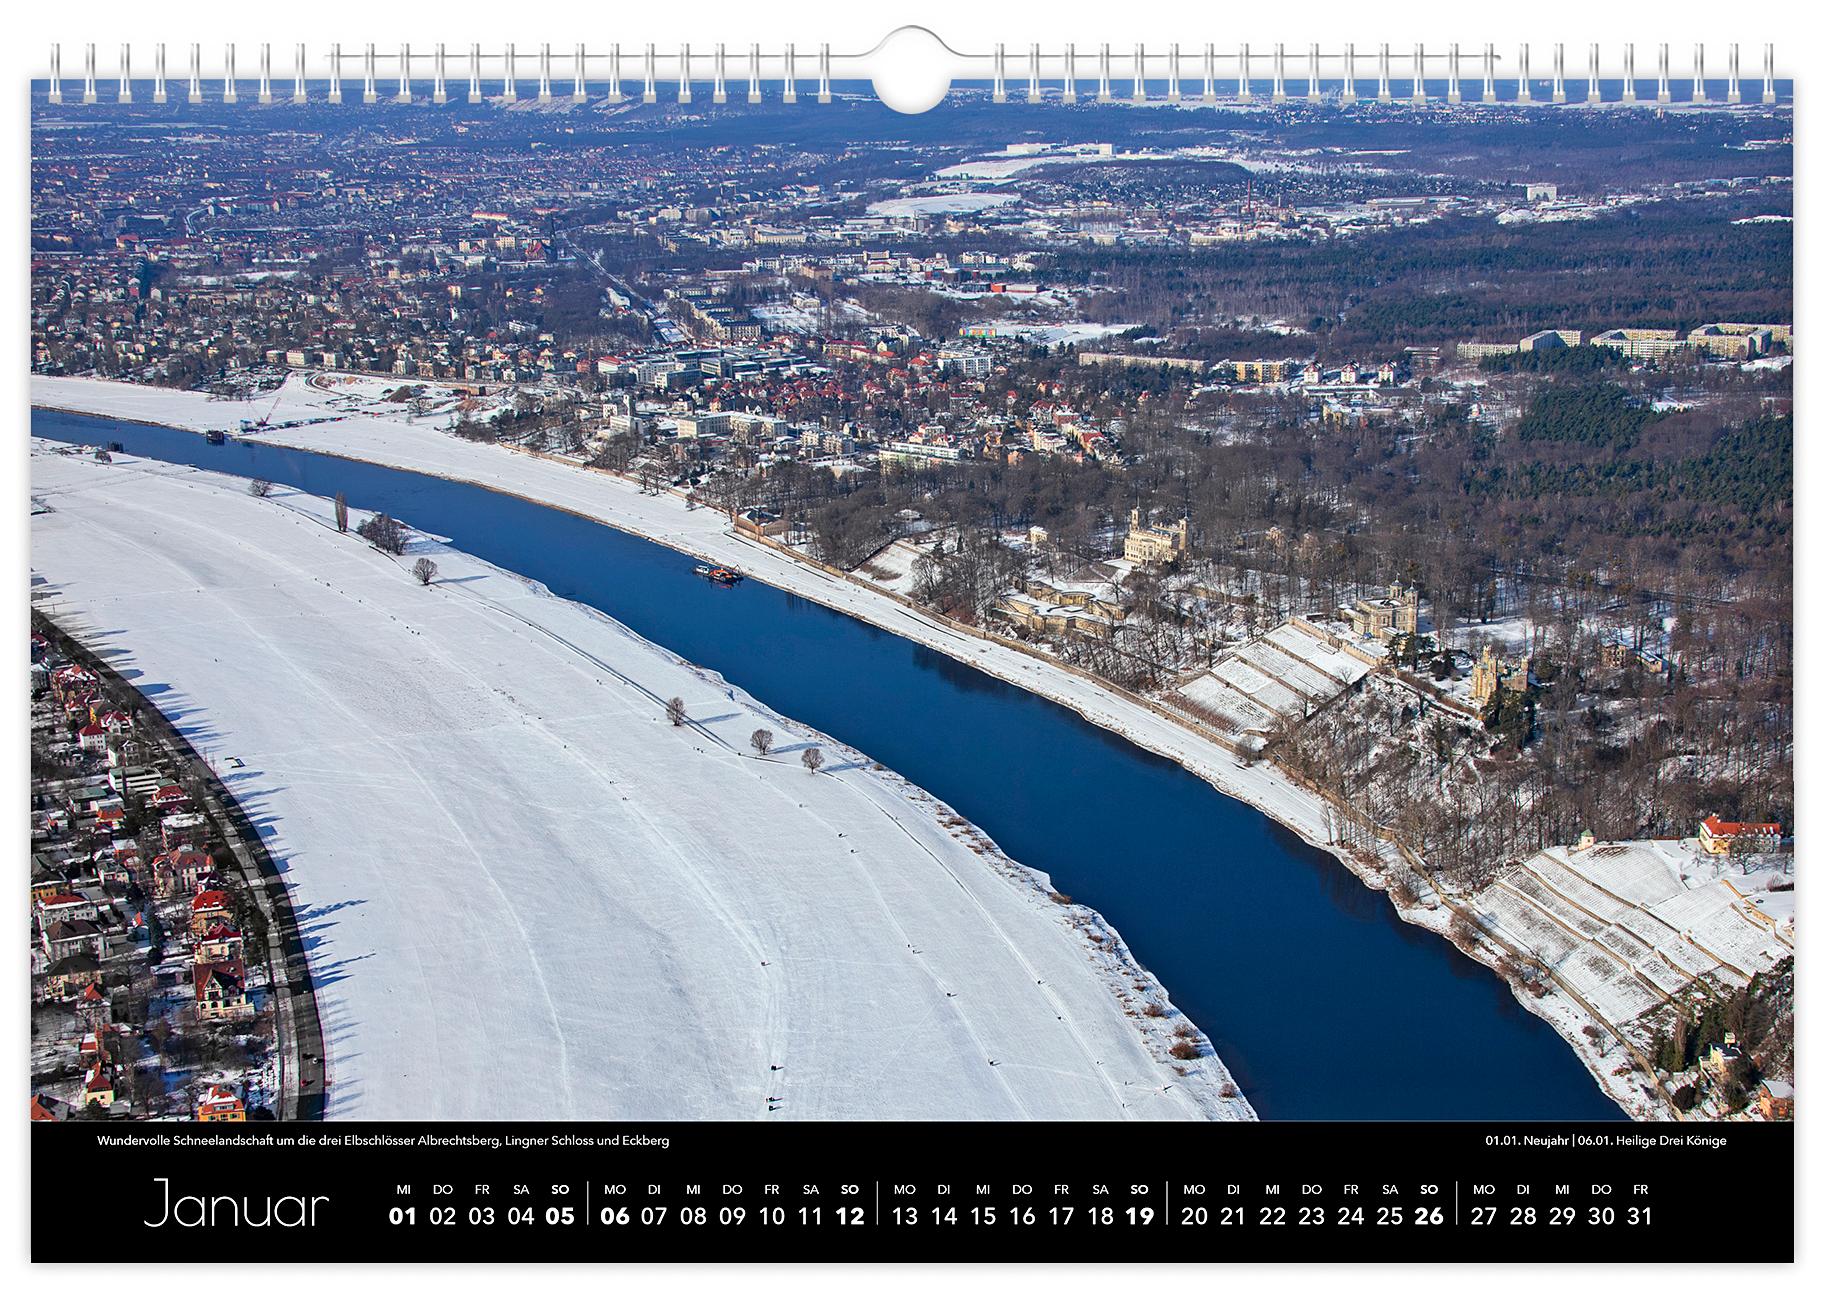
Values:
[(220, 943), (1715, 836), (65, 907), (209, 908), (179, 871), (98, 1089), (71, 679), (219, 1105), (221, 992), (168, 798)]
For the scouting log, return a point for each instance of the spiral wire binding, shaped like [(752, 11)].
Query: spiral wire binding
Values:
[(1333, 69)]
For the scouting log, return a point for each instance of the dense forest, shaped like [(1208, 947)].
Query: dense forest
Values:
[(1600, 501), (1663, 264)]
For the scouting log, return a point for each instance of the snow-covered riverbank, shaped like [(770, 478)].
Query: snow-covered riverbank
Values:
[(526, 894), (387, 439), (701, 532)]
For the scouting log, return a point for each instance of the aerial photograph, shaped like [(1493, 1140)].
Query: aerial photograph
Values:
[(569, 601)]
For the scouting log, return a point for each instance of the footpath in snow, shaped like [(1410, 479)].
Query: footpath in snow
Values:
[(525, 894)]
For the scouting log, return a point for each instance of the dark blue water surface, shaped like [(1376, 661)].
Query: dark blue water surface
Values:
[(1319, 999)]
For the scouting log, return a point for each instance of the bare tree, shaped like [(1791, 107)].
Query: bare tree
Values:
[(813, 759), (1465, 930), (384, 533), (674, 711), (425, 570), (761, 740), (259, 488), (342, 512)]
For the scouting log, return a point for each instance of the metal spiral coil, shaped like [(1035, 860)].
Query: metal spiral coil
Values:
[(1232, 74)]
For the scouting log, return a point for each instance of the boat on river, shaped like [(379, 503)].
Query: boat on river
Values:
[(720, 575)]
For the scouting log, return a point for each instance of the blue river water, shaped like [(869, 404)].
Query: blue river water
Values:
[(1320, 1000)]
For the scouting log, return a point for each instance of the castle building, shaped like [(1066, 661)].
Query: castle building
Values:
[(1493, 671), (1383, 618), (1149, 545)]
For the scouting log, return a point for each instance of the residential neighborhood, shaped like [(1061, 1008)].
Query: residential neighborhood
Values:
[(151, 986)]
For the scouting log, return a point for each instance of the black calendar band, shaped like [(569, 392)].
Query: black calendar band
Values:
[(643, 1192)]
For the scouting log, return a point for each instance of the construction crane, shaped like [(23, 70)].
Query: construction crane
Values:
[(254, 425)]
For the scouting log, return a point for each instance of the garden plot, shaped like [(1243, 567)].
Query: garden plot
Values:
[(1337, 667), (1271, 693), (1661, 974), (1607, 984), (1740, 941), (1548, 901), (1293, 668), (1573, 887), (1636, 870), (1691, 910), (892, 567), (1268, 679), (1650, 930), (1687, 958), (1223, 706), (1298, 678), (1514, 919), (1618, 925), (1624, 945)]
